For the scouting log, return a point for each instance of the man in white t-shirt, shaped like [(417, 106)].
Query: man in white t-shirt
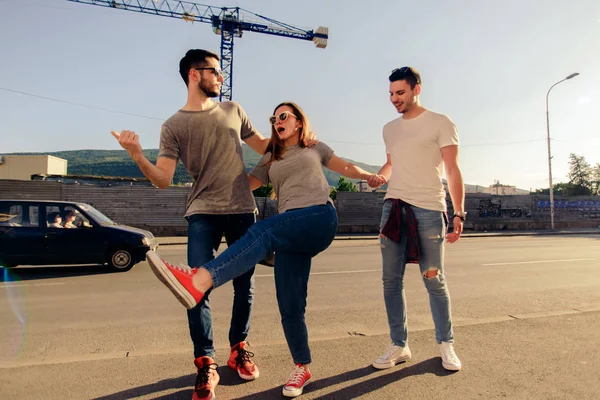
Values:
[(419, 144)]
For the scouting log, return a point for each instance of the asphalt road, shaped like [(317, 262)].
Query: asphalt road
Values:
[(526, 311)]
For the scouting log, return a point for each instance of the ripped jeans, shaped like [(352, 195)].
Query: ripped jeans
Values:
[(432, 230)]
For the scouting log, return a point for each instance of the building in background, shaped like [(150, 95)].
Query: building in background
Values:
[(363, 186), (21, 168), (499, 189), (471, 188)]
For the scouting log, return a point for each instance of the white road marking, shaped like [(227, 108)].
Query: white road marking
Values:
[(540, 261)]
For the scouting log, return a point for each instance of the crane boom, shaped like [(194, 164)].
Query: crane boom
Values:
[(228, 22)]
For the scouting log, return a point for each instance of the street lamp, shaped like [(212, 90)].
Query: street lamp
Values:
[(573, 75)]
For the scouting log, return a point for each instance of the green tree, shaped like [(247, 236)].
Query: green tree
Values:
[(345, 185), (264, 191), (565, 190), (584, 179), (569, 189), (333, 193), (580, 172), (596, 179)]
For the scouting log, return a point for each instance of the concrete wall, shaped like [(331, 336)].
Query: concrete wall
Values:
[(161, 211), (361, 212), (22, 167)]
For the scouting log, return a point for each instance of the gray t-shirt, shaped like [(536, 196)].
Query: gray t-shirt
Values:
[(298, 177), (209, 144)]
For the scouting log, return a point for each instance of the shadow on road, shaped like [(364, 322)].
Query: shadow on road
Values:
[(431, 366), (186, 381), (50, 272), (229, 378)]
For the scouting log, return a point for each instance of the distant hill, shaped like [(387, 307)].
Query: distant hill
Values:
[(118, 163)]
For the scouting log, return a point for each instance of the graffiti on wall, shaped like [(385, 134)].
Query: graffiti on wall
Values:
[(585, 208), (493, 209), (578, 205)]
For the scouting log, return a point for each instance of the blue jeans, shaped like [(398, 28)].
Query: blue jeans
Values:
[(431, 232), (204, 237), (296, 236)]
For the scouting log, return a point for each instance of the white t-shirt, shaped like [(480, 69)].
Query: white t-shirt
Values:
[(414, 148)]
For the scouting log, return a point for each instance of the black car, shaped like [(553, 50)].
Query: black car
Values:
[(44, 232)]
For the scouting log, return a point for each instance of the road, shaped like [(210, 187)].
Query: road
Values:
[(526, 311)]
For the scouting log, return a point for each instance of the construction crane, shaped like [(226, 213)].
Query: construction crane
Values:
[(228, 22)]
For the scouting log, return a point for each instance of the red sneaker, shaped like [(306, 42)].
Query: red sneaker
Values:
[(298, 379), (177, 279), (239, 360), (206, 380)]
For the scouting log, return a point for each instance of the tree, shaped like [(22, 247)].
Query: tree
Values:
[(580, 172), (264, 191), (584, 180), (569, 189), (333, 193), (596, 179), (561, 189), (345, 185)]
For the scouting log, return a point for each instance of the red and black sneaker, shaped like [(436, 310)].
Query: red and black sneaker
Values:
[(177, 278), (298, 379), (240, 360), (206, 380)]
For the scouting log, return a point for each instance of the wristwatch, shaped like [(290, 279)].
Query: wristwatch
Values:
[(462, 215)]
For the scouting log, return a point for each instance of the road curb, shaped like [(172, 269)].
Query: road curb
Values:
[(464, 236)]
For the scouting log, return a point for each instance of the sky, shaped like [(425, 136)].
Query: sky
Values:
[(70, 73)]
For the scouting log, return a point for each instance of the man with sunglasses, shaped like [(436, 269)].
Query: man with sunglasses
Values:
[(206, 136), (419, 145)]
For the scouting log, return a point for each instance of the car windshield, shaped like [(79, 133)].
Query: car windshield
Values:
[(96, 215)]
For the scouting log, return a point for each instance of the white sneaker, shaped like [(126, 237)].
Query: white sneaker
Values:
[(450, 360), (392, 356)]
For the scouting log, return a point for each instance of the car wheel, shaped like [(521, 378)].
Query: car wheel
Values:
[(120, 260)]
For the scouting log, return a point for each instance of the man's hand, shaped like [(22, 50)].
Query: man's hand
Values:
[(310, 139), (130, 141), (457, 225), (376, 180)]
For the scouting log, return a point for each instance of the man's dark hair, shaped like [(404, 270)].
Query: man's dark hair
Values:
[(408, 74), (194, 58), (52, 217)]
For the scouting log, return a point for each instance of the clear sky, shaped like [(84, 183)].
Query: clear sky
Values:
[(486, 64)]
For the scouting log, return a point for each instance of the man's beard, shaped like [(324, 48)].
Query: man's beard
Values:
[(207, 90)]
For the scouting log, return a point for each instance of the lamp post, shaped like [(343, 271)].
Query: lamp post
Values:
[(573, 75)]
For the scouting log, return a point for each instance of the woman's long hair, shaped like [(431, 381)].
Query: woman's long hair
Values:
[(276, 146)]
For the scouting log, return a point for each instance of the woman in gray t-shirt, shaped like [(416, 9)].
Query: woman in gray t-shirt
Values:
[(305, 226)]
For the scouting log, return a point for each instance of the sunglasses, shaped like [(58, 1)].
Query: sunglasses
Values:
[(402, 70), (281, 117), (405, 72), (217, 71)]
